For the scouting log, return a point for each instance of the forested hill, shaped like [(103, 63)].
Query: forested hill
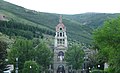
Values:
[(92, 20), (79, 27)]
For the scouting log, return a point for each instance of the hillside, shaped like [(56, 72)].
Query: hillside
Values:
[(92, 20), (79, 27)]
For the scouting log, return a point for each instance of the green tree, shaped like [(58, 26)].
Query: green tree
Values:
[(31, 67), (44, 55), (3, 53), (108, 40), (74, 56), (23, 50)]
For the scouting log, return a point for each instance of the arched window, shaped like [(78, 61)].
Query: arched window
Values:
[(60, 69), (61, 55), (57, 34), (60, 34)]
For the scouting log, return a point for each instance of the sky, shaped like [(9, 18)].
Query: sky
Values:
[(70, 6)]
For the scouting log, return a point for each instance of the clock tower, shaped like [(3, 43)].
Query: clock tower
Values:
[(60, 47)]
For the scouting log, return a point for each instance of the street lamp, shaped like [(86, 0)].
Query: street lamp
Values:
[(98, 66), (49, 68), (83, 70), (6, 60), (86, 64), (16, 65), (30, 69), (89, 69), (71, 69)]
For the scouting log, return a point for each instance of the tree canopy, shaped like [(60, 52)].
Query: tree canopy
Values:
[(3, 54), (21, 49), (26, 50), (108, 39), (44, 55), (74, 56), (31, 67)]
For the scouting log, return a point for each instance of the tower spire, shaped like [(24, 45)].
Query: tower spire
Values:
[(60, 20)]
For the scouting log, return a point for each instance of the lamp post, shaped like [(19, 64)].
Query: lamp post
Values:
[(6, 60), (98, 66), (83, 70), (30, 69), (16, 65), (49, 68), (71, 69), (85, 64), (89, 69)]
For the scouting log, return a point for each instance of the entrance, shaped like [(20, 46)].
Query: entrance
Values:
[(60, 69), (61, 55)]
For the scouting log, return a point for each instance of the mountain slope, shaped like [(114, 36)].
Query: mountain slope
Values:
[(92, 20), (79, 27)]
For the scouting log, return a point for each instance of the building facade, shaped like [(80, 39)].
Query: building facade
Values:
[(60, 47)]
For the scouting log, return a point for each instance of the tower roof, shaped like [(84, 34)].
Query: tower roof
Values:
[(60, 24)]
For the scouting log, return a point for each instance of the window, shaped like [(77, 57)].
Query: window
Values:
[(60, 34), (60, 28), (63, 41), (63, 34), (57, 34), (60, 41), (57, 41)]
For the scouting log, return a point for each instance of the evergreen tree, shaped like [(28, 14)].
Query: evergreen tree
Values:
[(3, 53)]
